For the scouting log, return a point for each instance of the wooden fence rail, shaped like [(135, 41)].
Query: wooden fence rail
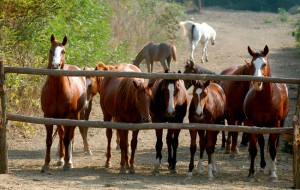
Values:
[(130, 126)]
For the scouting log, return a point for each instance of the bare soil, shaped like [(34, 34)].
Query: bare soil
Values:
[(235, 31)]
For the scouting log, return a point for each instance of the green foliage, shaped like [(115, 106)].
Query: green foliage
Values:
[(254, 5), (284, 15)]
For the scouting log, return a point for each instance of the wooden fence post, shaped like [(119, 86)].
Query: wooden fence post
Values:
[(3, 142), (296, 142)]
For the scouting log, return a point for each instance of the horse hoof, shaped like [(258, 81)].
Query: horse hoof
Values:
[(88, 152), (68, 167), (190, 174), (243, 145), (173, 171), (226, 151), (44, 169), (122, 171), (155, 173), (60, 162), (107, 164), (250, 179), (274, 179), (232, 156), (132, 171), (262, 171)]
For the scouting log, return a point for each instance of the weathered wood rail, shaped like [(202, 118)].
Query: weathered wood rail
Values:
[(144, 126)]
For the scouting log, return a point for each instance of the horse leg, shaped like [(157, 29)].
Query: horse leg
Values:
[(149, 66), (273, 145), (169, 139), (158, 147), (49, 130), (174, 147), (117, 140), (223, 140), (134, 141), (234, 149), (193, 148), (245, 140), (211, 137), (69, 136), (163, 64), (261, 143), (61, 146), (228, 143), (107, 117), (202, 145), (84, 115), (124, 149), (204, 52), (169, 62), (109, 133)]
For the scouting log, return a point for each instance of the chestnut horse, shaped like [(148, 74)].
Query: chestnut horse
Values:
[(207, 106), (126, 100), (192, 68), (234, 101), (169, 105), (62, 97), (266, 105), (156, 52)]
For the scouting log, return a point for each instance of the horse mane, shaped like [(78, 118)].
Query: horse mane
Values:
[(126, 93), (199, 69)]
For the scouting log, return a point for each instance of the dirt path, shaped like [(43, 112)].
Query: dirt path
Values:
[(235, 31)]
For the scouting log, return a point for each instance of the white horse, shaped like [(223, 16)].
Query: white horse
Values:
[(198, 33)]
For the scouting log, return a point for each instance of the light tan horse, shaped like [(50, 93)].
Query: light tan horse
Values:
[(156, 52)]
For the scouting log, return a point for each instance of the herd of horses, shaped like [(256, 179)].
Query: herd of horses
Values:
[(133, 100)]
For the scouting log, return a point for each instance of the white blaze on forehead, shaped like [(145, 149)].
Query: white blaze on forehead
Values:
[(171, 107), (57, 54), (199, 108), (257, 64)]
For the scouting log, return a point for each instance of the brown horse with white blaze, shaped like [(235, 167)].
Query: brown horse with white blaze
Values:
[(266, 105), (169, 105), (62, 97), (207, 106)]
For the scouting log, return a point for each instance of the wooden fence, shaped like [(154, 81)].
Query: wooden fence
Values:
[(144, 126)]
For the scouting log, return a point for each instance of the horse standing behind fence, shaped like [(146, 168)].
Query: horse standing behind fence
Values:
[(235, 92), (196, 33), (169, 105), (192, 68), (156, 52), (266, 105), (126, 100), (62, 97), (207, 106)]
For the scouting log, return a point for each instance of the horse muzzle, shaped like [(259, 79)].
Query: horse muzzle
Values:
[(257, 85), (146, 119), (56, 66)]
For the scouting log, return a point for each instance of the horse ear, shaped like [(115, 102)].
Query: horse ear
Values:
[(266, 50), (167, 71), (52, 38), (249, 64), (206, 83), (194, 82), (252, 53), (135, 84), (65, 40), (151, 84), (179, 71)]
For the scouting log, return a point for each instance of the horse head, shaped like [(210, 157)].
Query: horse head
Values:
[(200, 97), (261, 66), (143, 97), (57, 53)]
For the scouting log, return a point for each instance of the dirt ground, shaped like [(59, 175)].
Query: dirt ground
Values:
[(235, 31)]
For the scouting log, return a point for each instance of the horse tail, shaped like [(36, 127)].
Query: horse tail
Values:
[(173, 52), (192, 32)]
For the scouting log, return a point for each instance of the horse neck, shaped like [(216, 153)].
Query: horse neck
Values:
[(139, 58)]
